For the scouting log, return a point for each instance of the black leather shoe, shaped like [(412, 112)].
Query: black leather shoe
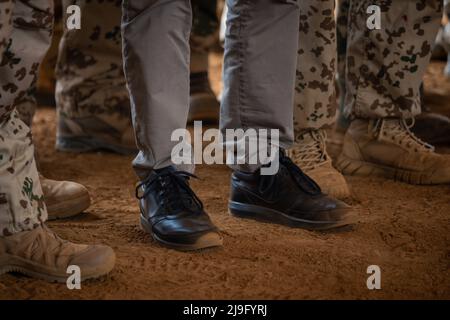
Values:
[(289, 197), (173, 214)]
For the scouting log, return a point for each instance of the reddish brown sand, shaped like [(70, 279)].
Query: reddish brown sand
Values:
[(402, 228)]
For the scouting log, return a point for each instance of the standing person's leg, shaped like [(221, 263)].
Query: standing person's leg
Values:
[(26, 244), (91, 95), (258, 82), (203, 102), (63, 198), (156, 52), (259, 78), (92, 99), (427, 119), (156, 62), (315, 96), (343, 7), (384, 72)]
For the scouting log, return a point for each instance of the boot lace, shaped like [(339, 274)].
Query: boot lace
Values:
[(311, 153), (399, 131), (173, 191)]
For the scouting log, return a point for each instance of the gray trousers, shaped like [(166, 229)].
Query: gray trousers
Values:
[(259, 71)]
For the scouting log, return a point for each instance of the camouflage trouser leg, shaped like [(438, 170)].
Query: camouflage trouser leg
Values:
[(341, 26), (25, 33), (91, 91), (315, 96), (90, 81), (343, 7), (385, 67)]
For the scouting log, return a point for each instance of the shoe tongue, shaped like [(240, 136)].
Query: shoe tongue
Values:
[(178, 195), (394, 123)]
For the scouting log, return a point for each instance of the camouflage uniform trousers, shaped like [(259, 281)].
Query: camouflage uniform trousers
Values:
[(384, 68), (25, 33), (91, 90), (315, 94)]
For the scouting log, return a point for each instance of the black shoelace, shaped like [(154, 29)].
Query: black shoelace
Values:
[(173, 190)]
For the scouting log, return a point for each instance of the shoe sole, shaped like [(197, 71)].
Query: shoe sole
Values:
[(68, 208), (9, 263), (82, 145), (353, 167), (208, 240), (262, 214)]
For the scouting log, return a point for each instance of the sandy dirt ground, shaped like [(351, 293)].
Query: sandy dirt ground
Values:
[(403, 229)]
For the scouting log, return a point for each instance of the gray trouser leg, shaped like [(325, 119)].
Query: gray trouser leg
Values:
[(259, 69), (156, 62)]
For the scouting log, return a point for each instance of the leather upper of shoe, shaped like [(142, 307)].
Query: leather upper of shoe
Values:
[(44, 247), (170, 205), (289, 191), (58, 191), (390, 142)]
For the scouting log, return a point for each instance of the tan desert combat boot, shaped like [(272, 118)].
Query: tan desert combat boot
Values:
[(40, 253), (64, 199), (311, 156), (387, 148)]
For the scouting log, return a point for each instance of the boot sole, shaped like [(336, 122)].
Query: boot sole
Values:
[(68, 208), (262, 214), (208, 240), (9, 263), (82, 145), (353, 167)]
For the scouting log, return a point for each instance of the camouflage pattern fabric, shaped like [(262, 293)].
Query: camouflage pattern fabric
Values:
[(25, 34), (384, 68), (341, 35), (315, 94), (91, 95), (341, 27), (90, 84)]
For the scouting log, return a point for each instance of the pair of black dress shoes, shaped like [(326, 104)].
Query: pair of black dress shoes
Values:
[(173, 214)]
